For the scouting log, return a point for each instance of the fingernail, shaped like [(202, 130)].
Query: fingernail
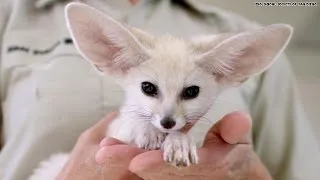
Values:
[(103, 143)]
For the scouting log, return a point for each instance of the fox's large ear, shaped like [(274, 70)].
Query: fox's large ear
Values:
[(240, 56), (106, 43)]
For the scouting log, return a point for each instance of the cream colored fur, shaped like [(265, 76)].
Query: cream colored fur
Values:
[(133, 56)]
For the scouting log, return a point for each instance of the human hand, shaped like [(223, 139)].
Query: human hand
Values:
[(226, 154), (82, 163)]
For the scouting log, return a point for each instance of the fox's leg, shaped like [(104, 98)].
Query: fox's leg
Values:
[(138, 132)]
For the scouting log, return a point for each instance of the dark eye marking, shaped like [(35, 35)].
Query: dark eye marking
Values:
[(190, 92), (149, 89)]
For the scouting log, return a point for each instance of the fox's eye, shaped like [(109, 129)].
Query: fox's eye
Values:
[(190, 92), (149, 89)]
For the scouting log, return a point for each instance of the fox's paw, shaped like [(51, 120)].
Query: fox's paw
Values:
[(149, 138), (180, 150)]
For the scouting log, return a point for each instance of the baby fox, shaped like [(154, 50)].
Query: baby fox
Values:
[(169, 82)]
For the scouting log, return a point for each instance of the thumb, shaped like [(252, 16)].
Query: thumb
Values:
[(233, 128)]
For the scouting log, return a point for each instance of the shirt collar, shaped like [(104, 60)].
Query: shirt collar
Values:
[(45, 3), (200, 6)]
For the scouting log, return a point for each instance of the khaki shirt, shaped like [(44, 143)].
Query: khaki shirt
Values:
[(50, 94)]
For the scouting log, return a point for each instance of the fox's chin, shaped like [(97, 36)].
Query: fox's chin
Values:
[(161, 129), (168, 131)]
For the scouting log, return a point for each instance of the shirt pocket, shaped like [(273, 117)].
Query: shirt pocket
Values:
[(57, 84), (23, 53), (69, 83)]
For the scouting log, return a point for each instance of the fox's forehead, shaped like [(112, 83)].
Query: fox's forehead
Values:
[(171, 52), (172, 65), (181, 52), (175, 50)]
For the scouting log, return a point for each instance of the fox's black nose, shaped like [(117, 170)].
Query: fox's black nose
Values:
[(167, 123)]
